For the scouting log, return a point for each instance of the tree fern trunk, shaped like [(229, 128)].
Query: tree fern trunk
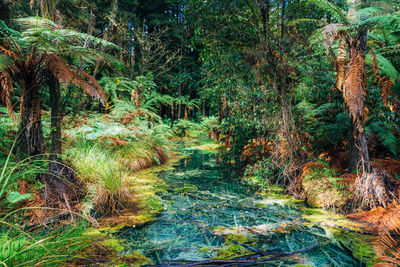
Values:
[(56, 116), (31, 139), (354, 98)]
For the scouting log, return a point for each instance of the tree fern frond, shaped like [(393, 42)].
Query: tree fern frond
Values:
[(313, 21), (336, 12), (5, 62), (81, 38), (36, 22), (367, 12), (395, 36), (385, 66), (385, 135), (386, 22), (89, 85)]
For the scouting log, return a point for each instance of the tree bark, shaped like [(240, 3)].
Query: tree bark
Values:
[(186, 113), (56, 116), (358, 154), (31, 139)]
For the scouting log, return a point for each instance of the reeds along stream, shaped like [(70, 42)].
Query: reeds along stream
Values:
[(209, 213)]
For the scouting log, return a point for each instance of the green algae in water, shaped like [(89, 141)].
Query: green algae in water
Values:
[(204, 195)]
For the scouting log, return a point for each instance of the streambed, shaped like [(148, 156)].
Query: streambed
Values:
[(204, 198)]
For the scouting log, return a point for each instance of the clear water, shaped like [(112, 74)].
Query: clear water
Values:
[(204, 193)]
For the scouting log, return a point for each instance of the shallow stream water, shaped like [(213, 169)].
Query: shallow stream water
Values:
[(203, 193)]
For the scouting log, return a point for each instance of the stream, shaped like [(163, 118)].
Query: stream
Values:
[(205, 196)]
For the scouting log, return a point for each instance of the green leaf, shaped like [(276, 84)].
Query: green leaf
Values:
[(15, 197)]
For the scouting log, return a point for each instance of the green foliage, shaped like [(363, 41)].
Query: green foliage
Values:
[(335, 11), (53, 247), (385, 133), (264, 173)]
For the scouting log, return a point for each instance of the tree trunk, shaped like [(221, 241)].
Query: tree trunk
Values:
[(60, 182), (31, 139), (186, 113), (179, 105), (354, 97), (56, 116)]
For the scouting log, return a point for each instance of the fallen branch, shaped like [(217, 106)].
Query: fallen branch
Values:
[(219, 262)]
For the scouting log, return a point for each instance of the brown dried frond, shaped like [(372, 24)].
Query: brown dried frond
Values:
[(341, 64), (31, 3), (7, 90), (331, 33), (354, 86), (66, 74), (387, 243), (58, 67), (89, 85), (383, 81)]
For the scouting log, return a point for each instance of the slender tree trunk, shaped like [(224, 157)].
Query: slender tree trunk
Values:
[(179, 105), (56, 116), (186, 113)]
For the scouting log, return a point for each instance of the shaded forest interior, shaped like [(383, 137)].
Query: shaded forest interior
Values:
[(97, 96)]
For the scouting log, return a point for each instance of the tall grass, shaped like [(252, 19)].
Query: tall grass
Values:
[(106, 175), (40, 246)]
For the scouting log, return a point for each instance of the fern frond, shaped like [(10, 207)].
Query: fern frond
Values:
[(367, 12), (36, 22), (386, 22), (89, 85), (385, 66), (336, 12), (385, 135), (313, 21), (5, 62), (80, 38), (5, 94)]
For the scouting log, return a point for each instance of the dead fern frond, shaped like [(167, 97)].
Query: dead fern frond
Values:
[(387, 242), (354, 86), (89, 85), (331, 33), (383, 81), (58, 67), (341, 64), (7, 90)]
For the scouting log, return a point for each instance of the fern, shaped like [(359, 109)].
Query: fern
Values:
[(386, 22), (384, 132), (336, 12), (385, 66)]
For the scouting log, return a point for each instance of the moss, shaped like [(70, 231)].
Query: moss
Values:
[(212, 147), (132, 259), (230, 249), (323, 190), (360, 245), (275, 195)]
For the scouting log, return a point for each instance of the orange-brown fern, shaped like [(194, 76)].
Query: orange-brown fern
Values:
[(66, 74), (354, 86), (341, 65), (7, 90)]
